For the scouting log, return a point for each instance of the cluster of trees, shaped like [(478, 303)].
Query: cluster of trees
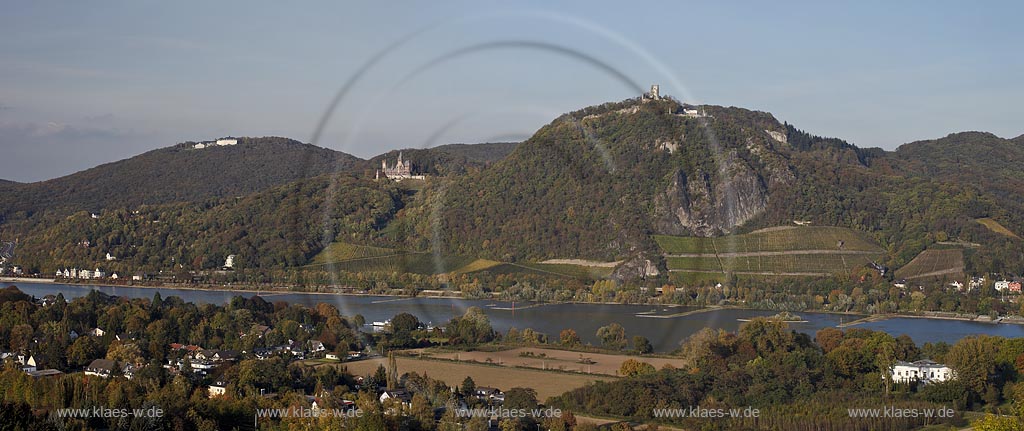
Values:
[(800, 383)]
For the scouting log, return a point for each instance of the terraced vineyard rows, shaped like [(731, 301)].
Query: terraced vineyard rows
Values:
[(934, 263), (773, 239), (787, 251)]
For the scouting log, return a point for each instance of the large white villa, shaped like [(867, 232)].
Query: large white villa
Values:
[(921, 371)]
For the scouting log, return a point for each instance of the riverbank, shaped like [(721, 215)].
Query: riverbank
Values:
[(273, 290), (1011, 320), (526, 305)]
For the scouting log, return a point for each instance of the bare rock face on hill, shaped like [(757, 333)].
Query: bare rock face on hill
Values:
[(707, 208)]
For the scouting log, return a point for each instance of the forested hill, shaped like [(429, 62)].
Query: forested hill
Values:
[(177, 174), (597, 183), (983, 161), (449, 159), (276, 228)]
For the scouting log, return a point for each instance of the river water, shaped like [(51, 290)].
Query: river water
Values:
[(665, 333)]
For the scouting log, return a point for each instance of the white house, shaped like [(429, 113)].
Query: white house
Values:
[(229, 263), (1003, 285), (30, 365), (217, 389), (225, 142), (97, 332), (100, 368), (400, 396), (98, 274), (85, 273), (110, 257), (333, 357), (921, 371)]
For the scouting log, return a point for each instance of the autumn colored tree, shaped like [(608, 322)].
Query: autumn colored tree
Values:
[(633, 367), (569, 338)]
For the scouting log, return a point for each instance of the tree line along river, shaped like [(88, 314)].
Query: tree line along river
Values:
[(664, 326)]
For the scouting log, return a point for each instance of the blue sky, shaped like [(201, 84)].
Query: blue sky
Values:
[(84, 83)]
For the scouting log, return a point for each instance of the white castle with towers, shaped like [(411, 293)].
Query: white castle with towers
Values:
[(402, 170)]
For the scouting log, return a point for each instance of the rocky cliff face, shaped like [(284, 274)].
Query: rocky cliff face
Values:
[(711, 205), (717, 202)]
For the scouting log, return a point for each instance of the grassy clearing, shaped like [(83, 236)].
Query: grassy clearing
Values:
[(696, 278), (934, 263), (994, 226), (569, 270), (549, 269), (477, 265), (348, 257), (414, 263), (780, 239)]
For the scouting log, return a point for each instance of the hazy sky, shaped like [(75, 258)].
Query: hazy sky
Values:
[(83, 83)]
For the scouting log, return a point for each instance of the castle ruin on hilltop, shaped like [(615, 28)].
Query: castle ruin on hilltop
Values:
[(402, 170), (651, 95), (688, 110)]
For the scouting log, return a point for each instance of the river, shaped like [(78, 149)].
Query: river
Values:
[(665, 333)]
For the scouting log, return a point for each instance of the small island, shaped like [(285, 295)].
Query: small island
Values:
[(784, 316)]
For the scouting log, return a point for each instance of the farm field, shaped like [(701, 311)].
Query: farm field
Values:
[(546, 383), (562, 360), (783, 238), (934, 263)]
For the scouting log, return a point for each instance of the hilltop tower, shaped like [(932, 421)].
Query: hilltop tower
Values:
[(653, 94)]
